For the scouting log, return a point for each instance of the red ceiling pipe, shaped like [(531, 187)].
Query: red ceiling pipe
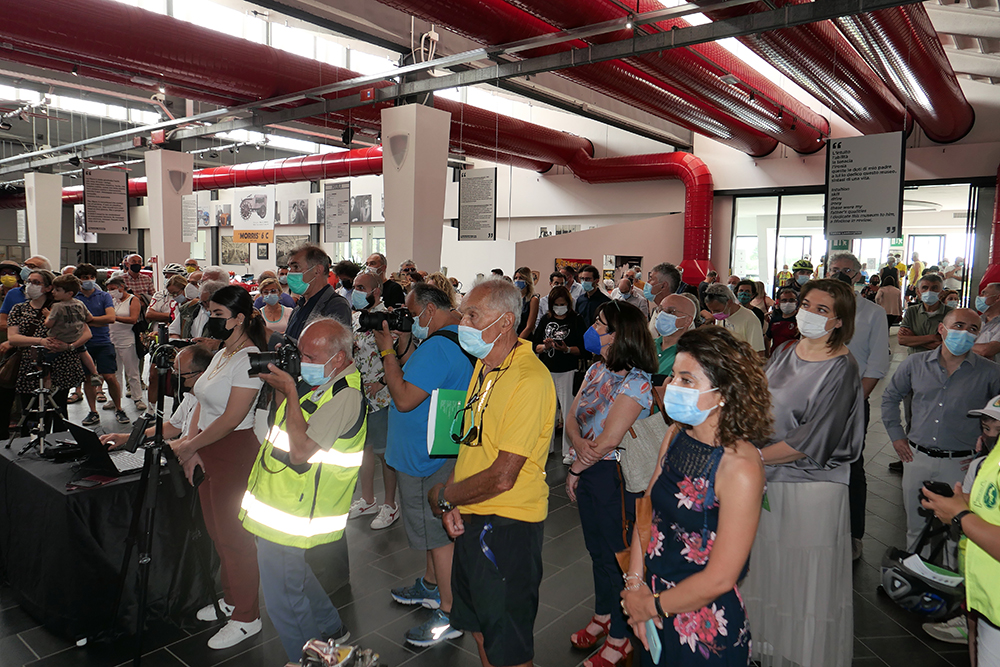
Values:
[(698, 195), (902, 45), (819, 59), (494, 22), (992, 274), (697, 72)]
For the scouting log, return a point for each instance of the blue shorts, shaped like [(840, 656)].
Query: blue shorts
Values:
[(104, 358)]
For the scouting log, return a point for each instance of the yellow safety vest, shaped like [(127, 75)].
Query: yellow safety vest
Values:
[(305, 505), (982, 571)]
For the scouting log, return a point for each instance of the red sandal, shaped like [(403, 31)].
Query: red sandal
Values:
[(583, 639), (623, 657)]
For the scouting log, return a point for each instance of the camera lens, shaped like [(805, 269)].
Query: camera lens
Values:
[(259, 362)]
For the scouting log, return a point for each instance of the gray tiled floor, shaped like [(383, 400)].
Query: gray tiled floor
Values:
[(884, 634)]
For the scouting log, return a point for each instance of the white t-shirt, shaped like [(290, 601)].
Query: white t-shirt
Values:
[(122, 334), (181, 418), (745, 326), (163, 302), (214, 386)]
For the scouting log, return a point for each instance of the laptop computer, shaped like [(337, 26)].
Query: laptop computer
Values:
[(114, 463)]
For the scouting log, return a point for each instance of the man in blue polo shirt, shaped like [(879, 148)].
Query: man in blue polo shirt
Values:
[(412, 375), (100, 305)]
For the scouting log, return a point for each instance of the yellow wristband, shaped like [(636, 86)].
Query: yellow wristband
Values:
[(386, 353)]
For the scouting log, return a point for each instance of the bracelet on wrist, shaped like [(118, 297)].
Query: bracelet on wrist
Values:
[(633, 587), (386, 353), (659, 609), (572, 472)]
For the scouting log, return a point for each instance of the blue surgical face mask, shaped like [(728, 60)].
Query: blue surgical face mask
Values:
[(587, 285), (88, 284), (666, 324), (802, 280), (520, 284), (271, 299), (359, 299), (283, 279), (981, 304), (959, 342), (592, 341), (929, 298), (25, 272), (313, 374), (419, 332), (681, 404), (471, 340)]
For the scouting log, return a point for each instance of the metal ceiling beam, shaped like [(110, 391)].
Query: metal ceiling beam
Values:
[(954, 20), (974, 64), (785, 17)]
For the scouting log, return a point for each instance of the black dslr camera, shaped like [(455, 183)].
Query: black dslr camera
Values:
[(399, 320), (287, 358)]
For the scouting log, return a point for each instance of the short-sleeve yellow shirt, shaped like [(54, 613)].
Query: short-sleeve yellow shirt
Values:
[(515, 413)]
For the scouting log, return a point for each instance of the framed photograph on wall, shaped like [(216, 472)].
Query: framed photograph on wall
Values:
[(283, 246), (262, 250), (232, 253), (15, 252)]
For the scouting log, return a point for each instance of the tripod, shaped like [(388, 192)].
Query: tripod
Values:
[(42, 404), (144, 507)]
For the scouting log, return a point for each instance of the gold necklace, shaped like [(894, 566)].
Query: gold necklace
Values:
[(225, 359)]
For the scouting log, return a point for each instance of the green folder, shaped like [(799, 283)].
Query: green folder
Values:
[(445, 405)]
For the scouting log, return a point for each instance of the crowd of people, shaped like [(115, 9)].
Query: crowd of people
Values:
[(748, 523)]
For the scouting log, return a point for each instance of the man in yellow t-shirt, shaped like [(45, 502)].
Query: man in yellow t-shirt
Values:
[(497, 499)]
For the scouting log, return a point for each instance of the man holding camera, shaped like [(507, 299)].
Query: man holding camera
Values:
[(365, 298), (412, 375), (300, 488), (308, 272)]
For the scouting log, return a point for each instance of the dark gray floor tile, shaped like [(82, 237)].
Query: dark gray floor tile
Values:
[(7, 599), (569, 587), (905, 652), (194, 650), (376, 612), (403, 564), (14, 652), (870, 661), (870, 621), (861, 650), (160, 658), (390, 652), (443, 654), (14, 620), (43, 642), (546, 616), (562, 520), (365, 580), (564, 550), (552, 645), (266, 654)]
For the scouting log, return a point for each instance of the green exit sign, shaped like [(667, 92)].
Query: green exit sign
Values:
[(844, 244), (895, 243)]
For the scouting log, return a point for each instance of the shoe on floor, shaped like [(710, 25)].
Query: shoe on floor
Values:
[(108, 406), (75, 398), (953, 631), (140, 405), (122, 417), (434, 631), (896, 467), (207, 613), (96, 380), (91, 419), (568, 460), (128, 393), (341, 636), (418, 593), (101, 397), (857, 548), (359, 507), (233, 632), (386, 517)]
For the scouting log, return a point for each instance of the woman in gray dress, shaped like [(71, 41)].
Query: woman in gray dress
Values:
[(798, 592)]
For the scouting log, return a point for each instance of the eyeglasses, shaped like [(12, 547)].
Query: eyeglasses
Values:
[(473, 436)]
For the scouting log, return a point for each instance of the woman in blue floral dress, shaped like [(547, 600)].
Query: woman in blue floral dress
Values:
[(706, 500)]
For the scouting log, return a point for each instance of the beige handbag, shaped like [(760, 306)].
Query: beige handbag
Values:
[(641, 448)]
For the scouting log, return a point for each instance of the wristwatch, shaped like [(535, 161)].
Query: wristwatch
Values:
[(443, 504), (956, 522)]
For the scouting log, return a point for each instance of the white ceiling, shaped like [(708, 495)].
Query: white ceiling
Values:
[(970, 32)]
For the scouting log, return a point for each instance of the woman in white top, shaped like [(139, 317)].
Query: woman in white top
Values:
[(123, 338), (223, 443), (275, 314)]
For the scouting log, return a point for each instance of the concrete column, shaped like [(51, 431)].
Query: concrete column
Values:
[(415, 172), (44, 198), (169, 178)]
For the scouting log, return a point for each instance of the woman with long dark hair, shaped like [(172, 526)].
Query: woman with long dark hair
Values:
[(616, 391), (706, 501), (223, 443)]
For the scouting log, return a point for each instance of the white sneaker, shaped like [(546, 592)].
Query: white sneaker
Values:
[(953, 631), (140, 406), (568, 460), (386, 517), (233, 632), (208, 613), (108, 406), (360, 507)]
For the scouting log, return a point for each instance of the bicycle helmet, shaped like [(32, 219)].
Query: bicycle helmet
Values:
[(173, 268), (921, 587), (802, 265)]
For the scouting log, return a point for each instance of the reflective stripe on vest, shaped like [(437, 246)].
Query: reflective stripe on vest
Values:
[(279, 439), (982, 571), (300, 526)]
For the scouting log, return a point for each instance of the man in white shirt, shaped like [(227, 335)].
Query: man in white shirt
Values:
[(988, 342), (870, 347), (575, 288), (629, 294), (727, 312), (198, 310), (189, 364)]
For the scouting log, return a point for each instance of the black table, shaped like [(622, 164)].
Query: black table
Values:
[(62, 550)]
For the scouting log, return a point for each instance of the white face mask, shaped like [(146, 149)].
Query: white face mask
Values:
[(32, 291), (811, 325), (192, 291), (560, 310)]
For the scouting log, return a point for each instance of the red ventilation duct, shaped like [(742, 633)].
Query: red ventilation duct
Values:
[(698, 195), (697, 72), (992, 274), (902, 45), (820, 60), (494, 22)]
